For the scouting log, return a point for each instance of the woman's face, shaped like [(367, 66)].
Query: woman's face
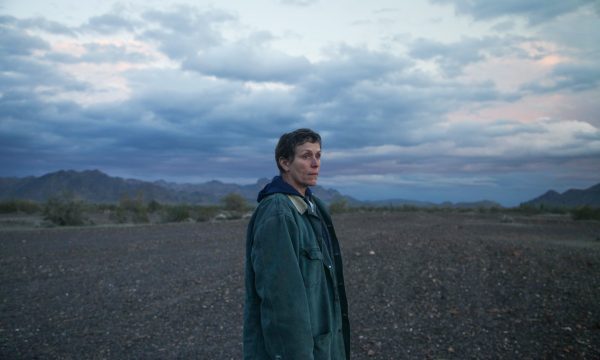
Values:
[(303, 170)]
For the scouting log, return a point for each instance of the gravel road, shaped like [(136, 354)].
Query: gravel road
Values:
[(420, 286)]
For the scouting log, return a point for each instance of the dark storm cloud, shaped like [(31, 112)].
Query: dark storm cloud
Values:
[(14, 42), (504, 26), (577, 35), (567, 77), (109, 24), (99, 53), (25, 78), (51, 134), (22, 72), (184, 31), (359, 90), (348, 65), (363, 91), (451, 58), (51, 27), (454, 57), (249, 62), (535, 11), (218, 106)]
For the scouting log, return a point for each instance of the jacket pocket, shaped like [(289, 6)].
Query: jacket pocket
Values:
[(322, 347), (311, 266)]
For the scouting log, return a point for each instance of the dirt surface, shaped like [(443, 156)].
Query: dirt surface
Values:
[(420, 286)]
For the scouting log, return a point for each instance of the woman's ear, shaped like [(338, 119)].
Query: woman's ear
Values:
[(284, 163)]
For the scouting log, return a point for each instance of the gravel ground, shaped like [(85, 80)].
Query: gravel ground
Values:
[(420, 286)]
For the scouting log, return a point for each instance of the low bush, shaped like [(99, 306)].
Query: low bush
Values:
[(338, 206), (19, 206), (64, 210), (128, 211), (529, 209), (175, 213), (234, 202), (206, 213), (154, 206), (586, 213)]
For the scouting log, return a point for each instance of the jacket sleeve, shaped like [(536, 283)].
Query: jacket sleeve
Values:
[(284, 306)]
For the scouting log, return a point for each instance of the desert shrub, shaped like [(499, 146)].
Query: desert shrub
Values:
[(104, 207), (64, 210), (119, 215), (338, 206), (176, 213), (154, 206), (132, 210), (234, 202), (408, 208), (234, 206), (494, 209), (560, 210), (205, 213), (527, 209), (8, 207), (586, 213), (19, 206), (435, 209)]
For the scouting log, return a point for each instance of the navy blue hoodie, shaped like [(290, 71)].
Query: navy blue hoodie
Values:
[(278, 185)]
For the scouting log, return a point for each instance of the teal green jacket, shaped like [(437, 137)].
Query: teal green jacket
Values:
[(295, 304)]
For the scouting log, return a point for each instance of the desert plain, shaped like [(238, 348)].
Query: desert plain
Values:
[(420, 285)]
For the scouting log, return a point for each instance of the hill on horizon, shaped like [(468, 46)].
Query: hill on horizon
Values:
[(97, 187), (569, 198)]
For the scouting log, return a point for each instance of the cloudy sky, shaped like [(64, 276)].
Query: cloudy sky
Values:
[(439, 100)]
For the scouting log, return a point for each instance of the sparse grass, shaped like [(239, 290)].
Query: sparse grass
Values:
[(579, 213), (19, 206), (66, 210)]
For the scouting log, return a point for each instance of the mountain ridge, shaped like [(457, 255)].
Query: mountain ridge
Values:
[(569, 198), (99, 187)]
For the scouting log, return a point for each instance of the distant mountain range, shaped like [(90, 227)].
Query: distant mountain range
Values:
[(98, 187), (570, 198)]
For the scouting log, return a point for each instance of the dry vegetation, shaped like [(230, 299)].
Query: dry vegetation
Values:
[(420, 285)]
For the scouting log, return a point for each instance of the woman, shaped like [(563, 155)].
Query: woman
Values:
[(295, 306)]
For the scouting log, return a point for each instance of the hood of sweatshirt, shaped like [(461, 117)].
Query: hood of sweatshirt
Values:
[(278, 185)]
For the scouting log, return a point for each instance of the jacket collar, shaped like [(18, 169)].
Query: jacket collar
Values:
[(303, 204), (299, 203)]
